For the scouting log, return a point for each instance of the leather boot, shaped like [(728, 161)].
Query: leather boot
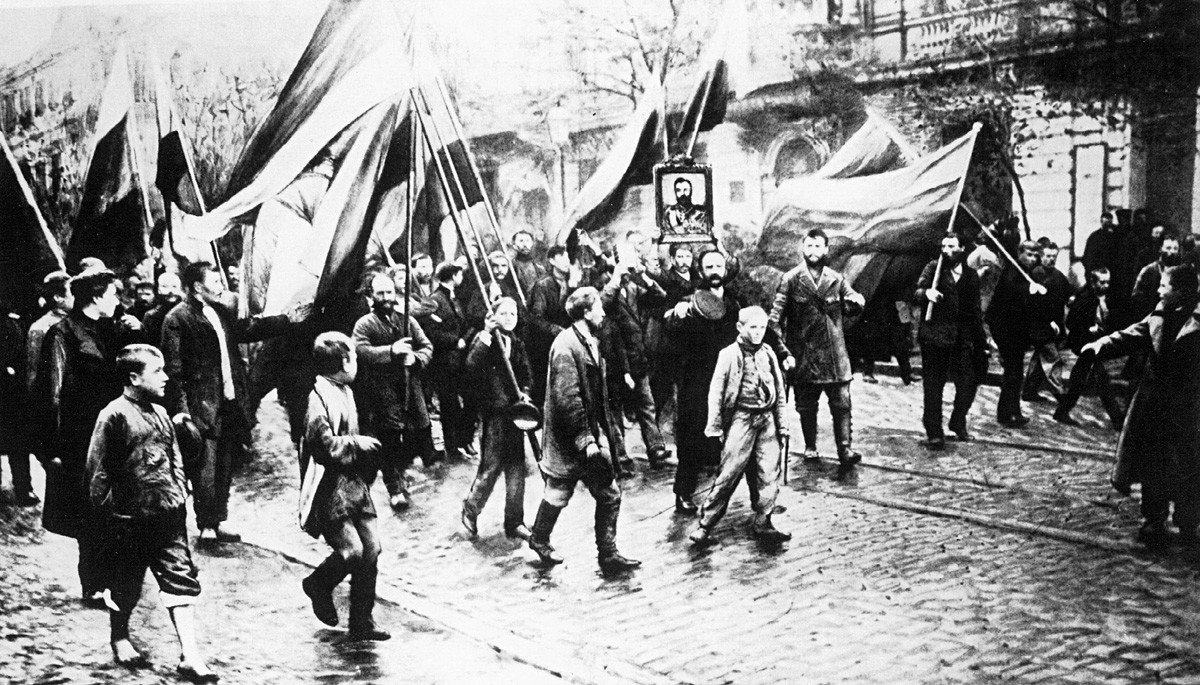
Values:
[(808, 428), (611, 561), (543, 525), (362, 604), (319, 587), (842, 436)]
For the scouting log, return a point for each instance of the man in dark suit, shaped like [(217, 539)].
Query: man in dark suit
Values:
[(1046, 363), (1010, 319), (952, 339), (547, 315), (208, 384), (449, 332), (1089, 318)]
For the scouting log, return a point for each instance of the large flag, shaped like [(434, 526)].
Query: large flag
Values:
[(874, 148), (871, 219), (111, 223), (307, 185), (629, 163), (28, 250)]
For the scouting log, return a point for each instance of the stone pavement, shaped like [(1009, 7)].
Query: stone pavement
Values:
[(253, 624), (1005, 559)]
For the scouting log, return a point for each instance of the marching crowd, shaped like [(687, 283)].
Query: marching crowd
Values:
[(135, 394)]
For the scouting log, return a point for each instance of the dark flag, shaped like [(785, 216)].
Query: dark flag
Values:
[(28, 251), (629, 163), (706, 107), (111, 223), (174, 179)]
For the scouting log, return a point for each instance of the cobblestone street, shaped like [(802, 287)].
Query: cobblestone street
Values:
[(1005, 559), (1009, 558)]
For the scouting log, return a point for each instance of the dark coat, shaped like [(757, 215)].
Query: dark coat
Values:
[(152, 323), (633, 323), (445, 327), (1010, 313), (1144, 296), (697, 342), (76, 381), (1160, 441), (390, 395), (1049, 310), (528, 271), (490, 380), (193, 359), (547, 314), (1081, 316), (575, 411), (134, 466), (807, 318), (957, 318), (13, 396)]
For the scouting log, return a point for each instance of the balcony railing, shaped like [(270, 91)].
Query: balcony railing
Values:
[(902, 33)]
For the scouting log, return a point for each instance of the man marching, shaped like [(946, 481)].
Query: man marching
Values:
[(952, 339)]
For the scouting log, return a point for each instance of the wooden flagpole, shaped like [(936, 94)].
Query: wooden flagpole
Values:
[(700, 115), (458, 185), (487, 202)]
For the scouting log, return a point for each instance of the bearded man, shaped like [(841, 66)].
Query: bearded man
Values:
[(698, 328), (953, 344), (170, 293), (392, 351), (806, 318)]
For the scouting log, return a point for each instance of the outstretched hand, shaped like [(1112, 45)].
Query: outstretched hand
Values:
[(299, 312)]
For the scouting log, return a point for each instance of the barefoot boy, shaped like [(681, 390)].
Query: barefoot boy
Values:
[(342, 509), (745, 408), (136, 477)]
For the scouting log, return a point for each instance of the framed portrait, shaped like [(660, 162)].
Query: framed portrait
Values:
[(684, 202)]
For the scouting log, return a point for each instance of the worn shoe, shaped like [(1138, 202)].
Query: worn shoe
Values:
[(700, 536), (1155, 534), (372, 633), (1018, 421), (812, 455), (1122, 487), (196, 675), (1064, 417), (684, 506), (400, 501), (469, 450), (658, 457), (26, 499), (613, 562), (545, 552), (520, 532), (769, 533), (322, 602), (850, 458), (224, 534), (934, 444), (870, 379), (470, 520)]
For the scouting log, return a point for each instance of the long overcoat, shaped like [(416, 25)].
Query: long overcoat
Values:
[(576, 407), (1160, 441), (390, 395), (806, 321)]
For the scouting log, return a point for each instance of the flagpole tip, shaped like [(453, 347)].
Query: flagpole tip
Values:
[(977, 125)]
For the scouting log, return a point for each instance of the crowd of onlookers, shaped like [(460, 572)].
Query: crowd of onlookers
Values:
[(138, 392)]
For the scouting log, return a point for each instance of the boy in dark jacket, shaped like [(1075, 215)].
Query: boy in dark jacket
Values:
[(341, 508), (503, 443), (135, 476)]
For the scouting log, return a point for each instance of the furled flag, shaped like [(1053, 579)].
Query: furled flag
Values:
[(629, 163), (112, 219), (28, 250)]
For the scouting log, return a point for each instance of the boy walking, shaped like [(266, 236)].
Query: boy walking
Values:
[(135, 476), (745, 408), (493, 349), (341, 508)]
